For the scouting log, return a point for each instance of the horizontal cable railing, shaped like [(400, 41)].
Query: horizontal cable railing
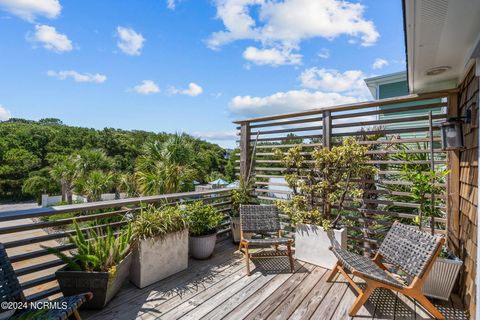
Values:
[(29, 231)]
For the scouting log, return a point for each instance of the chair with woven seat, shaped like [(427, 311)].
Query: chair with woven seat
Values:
[(263, 220), (405, 248), (11, 291)]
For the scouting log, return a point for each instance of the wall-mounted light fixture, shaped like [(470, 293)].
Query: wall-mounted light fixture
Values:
[(452, 132)]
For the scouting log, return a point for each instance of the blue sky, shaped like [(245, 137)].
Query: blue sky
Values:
[(190, 65)]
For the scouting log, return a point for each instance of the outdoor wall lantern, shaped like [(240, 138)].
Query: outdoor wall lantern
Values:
[(452, 132)]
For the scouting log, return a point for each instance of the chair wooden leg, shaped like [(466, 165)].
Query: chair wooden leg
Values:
[(290, 257), (334, 272), (429, 306), (247, 259), (75, 315), (360, 301)]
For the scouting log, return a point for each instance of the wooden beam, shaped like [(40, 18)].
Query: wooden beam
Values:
[(245, 150), (453, 184), (353, 106), (327, 129)]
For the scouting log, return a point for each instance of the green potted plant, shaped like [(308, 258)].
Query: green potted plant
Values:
[(160, 248), (445, 270), (320, 188), (100, 264), (203, 221)]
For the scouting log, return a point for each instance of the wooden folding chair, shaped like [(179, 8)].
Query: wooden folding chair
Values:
[(11, 291), (405, 247), (263, 220)]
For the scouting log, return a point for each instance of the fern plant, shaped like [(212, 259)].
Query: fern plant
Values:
[(99, 250)]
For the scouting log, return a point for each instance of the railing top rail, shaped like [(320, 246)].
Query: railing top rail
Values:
[(37, 212), (351, 106)]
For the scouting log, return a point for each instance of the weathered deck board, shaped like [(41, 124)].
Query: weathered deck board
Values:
[(219, 288)]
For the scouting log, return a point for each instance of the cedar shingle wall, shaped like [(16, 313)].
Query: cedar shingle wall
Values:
[(468, 98)]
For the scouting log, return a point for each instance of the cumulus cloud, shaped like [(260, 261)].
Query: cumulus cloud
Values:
[(285, 102), (286, 23), (51, 39), (147, 87), (30, 9), (379, 63), (349, 83), (4, 114), (76, 76), (273, 56), (193, 90), (216, 135), (130, 42)]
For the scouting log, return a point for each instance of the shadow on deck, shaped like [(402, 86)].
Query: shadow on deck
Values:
[(218, 288)]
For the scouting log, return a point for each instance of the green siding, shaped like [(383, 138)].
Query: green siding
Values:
[(397, 89)]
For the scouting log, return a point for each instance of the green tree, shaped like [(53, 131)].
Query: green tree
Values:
[(64, 170), (94, 183), (165, 168)]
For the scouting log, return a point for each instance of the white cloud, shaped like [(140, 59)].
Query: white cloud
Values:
[(193, 90), (51, 39), (4, 114), (130, 42), (284, 24), (285, 102), (171, 4), (271, 56), (30, 9), (379, 63), (324, 53), (216, 135), (349, 82), (76, 76), (147, 87)]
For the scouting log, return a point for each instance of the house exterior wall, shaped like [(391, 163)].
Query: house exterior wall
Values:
[(464, 221), (397, 89)]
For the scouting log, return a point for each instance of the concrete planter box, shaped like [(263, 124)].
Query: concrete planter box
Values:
[(157, 258), (235, 228), (103, 286), (441, 279), (202, 247), (312, 243)]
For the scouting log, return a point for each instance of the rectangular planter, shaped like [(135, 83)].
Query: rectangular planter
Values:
[(103, 286), (441, 279), (312, 244), (235, 228), (157, 258)]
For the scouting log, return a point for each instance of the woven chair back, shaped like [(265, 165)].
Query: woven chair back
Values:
[(259, 219), (409, 248), (10, 289)]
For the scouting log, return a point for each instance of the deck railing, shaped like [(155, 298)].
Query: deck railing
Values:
[(383, 126), (36, 267)]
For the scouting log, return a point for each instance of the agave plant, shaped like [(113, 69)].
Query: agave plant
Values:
[(100, 251)]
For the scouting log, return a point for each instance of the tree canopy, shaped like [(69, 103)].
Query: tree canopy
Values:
[(49, 156)]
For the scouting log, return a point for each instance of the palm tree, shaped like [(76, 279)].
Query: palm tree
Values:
[(88, 160), (64, 169), (165, 168), (94, 183)]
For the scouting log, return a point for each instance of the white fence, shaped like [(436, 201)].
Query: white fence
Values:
[(48, 200)]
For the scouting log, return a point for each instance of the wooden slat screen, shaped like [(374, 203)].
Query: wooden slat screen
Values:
[(400, 122)]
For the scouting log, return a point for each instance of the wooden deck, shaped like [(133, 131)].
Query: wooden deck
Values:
[(219, 288)]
